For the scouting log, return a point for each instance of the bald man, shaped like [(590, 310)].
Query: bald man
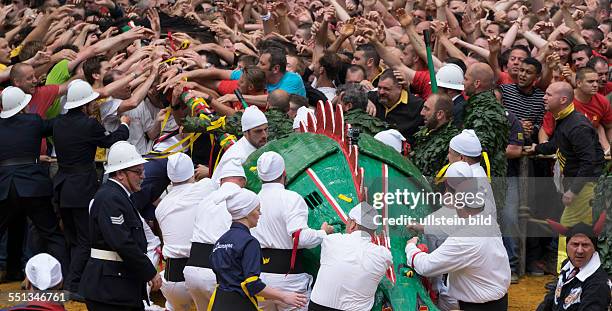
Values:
[(488, 119), (579, 154), (279, 100)]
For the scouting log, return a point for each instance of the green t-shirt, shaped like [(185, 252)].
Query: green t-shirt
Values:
[(59, 74)]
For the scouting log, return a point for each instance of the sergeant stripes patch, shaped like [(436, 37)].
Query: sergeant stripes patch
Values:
[(117, 220)]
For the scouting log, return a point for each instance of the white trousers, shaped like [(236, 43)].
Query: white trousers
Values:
[(177, 295), (300, 283), (200, 283)]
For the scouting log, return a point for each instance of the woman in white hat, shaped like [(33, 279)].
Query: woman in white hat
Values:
[(236, 261)]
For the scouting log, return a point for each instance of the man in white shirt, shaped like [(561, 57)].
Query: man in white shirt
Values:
[(283, 221), (211, 221), (175, 214), (466, 147), (255, 131), (351, 265), (473, 256)]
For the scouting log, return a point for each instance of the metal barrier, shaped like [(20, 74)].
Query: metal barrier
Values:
[(524, 212)]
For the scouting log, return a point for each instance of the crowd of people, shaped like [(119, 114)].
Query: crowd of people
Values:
[(449, 84)]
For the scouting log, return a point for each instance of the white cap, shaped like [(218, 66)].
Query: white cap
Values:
[(363, 214), (301, 116), (13, 101), (252, 117), (467, 144), (450, 76), (460, 177), (180, 167), (391, 138), (231, 168), (241, 203), (79, 93), (270, 166), (226, 190), (122, 155), (43, 271)]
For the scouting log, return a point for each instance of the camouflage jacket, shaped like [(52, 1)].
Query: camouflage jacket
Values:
[(486, 116), (279, 124), (431, 148), (366, 123)]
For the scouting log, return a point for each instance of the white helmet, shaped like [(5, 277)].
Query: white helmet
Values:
[(13, 101), (122, 155), (79, 93), (450, 76)]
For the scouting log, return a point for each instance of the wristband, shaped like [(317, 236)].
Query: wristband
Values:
[(266, 17)]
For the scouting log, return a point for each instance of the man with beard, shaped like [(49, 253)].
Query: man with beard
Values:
[(255, 131), (523, 98), (397, 106), (431, 145)]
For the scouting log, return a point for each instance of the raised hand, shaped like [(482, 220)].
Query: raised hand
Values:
[(495, 44), (404, 17), (348, 28)]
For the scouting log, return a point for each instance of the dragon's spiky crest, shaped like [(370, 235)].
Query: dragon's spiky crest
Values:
[(330, 122)]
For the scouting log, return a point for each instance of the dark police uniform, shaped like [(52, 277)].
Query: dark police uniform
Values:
[(116, 228), (236, 261), (76, 138), (25, 187)]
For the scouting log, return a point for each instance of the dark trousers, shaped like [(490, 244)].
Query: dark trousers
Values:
[(76, 229), (231, 301), (496, 305), (313, 306), (99, 306), (13, 210)]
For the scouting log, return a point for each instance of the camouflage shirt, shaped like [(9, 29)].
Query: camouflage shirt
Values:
[(366, 123), (486, 116), (431, 148)]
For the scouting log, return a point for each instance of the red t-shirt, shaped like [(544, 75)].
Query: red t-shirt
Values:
[(42, 99), (598, 111), (505, 78), (421, 84)]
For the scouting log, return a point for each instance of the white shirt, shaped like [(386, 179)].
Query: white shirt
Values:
[(284, 212), (351, 268), (142, 119), (212, 219), (176, 213), (242, 149), (477, 266), (329, 92)]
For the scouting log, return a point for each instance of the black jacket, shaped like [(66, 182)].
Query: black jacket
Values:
[(575, 295), (114, 225), (22, 134), (405, 116), (76, 138), (580, 155)]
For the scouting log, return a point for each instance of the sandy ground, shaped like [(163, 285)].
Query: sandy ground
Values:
[(524, 296)]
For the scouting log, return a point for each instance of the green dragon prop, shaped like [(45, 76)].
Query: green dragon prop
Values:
[(333, 173)]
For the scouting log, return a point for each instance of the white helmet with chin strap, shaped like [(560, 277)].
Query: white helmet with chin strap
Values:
[(122, 155)]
